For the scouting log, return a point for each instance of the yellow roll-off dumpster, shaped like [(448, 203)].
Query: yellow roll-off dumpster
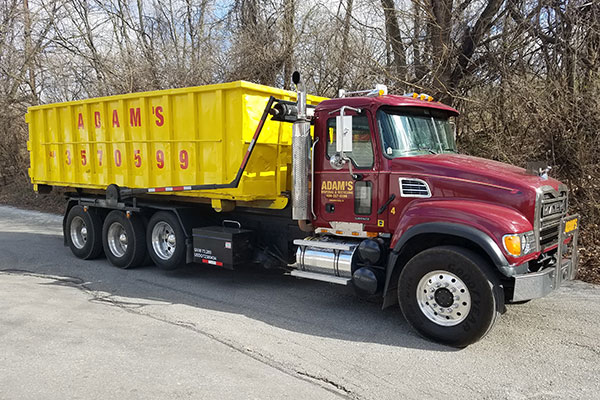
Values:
[(167, 138)]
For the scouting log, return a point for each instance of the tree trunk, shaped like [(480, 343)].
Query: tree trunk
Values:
[(29, 57), (289, 11), (439, 29), (394, 37), (419, 68), (344, 53)]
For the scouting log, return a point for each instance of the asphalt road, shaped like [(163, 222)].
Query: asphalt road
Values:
[(85, 329)]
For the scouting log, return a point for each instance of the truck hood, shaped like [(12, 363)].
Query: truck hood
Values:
[(472, 169)]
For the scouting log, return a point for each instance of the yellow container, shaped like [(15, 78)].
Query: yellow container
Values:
[(177, 137)]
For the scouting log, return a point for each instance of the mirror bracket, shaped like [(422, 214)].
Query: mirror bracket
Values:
[(340, 159), (337, 161)]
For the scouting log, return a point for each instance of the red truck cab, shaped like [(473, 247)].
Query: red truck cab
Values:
[(448, 236)]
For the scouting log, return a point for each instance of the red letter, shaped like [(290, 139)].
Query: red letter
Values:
[(160, 119), (116, 119), (160, 159), (97, 119), (134, 117), (183, 159), (137, 156), (80, 122)]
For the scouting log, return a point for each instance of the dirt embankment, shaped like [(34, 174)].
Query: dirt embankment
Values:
[(21, 194)]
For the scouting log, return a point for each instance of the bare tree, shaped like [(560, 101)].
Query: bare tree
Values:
[(524, 73), (394, 37)]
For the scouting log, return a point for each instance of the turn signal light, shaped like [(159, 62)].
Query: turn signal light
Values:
[(512, 244)]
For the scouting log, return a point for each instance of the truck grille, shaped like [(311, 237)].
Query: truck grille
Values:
[(553, 208)]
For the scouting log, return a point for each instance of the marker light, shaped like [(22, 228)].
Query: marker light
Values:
[(421, 96), (381, 89)]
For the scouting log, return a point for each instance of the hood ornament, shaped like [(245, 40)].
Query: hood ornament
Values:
[(543, 172), (538, 168)]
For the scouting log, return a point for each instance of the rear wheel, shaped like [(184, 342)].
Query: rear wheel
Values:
[(165, 240), (123, 239), (449, 295), (83, 232)]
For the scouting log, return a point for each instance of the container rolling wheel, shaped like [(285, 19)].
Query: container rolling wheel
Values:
[(83, 231), (166, 240), (123, 239), (450, 295)]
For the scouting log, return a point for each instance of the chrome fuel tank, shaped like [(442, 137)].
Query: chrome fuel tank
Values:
[(332, 257)]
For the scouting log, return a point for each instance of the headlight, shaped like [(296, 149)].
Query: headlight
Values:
[(519, 244)]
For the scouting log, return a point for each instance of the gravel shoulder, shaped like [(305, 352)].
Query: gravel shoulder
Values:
[(74, 328)]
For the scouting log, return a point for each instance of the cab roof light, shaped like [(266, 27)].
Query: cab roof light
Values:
[(379, 90), (419, 96)]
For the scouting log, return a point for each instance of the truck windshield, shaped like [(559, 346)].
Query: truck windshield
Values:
[(413, 131)]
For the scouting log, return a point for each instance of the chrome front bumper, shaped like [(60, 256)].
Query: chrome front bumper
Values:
[(538, 284)]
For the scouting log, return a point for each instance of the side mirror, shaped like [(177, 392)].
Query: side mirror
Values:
[(453, 124), (343, 133)]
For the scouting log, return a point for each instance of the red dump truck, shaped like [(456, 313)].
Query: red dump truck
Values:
[(366, 190)]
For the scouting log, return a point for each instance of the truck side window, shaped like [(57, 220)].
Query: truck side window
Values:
[(362, 148), (363, 197)]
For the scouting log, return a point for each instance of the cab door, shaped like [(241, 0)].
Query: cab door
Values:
[(338, 196)]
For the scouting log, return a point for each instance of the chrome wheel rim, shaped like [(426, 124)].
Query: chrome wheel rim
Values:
[(164, 242), (78, 232), (443, 298), (117, 239)]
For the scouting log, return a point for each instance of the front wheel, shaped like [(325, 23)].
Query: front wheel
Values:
[(449, 295)]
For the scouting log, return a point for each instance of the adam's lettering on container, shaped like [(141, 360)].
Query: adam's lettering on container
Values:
[(135, 118)]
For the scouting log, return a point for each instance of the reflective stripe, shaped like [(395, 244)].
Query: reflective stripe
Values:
[(218, 263)]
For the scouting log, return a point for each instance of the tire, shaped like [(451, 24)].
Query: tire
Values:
[(165, 240), (450, 295), (123, 239), (83, 231)]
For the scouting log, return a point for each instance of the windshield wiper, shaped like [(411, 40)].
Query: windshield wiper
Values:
[(426, 149)]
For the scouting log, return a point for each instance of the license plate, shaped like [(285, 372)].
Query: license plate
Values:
[(571, 225)]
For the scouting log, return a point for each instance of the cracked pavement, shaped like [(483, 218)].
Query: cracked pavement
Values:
[(85, 329)]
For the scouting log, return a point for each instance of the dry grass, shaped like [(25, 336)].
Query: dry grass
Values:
[(20, 194)]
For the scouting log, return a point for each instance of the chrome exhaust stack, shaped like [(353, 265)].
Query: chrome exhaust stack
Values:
[(301, 148)]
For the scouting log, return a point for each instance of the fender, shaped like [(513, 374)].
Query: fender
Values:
[(477, 222)]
